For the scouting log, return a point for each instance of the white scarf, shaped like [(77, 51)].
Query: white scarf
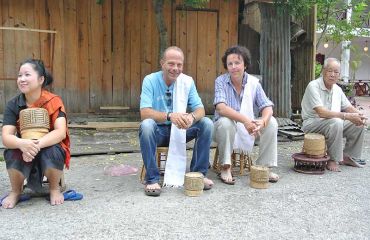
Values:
[(336, 99), (243, 140), (176, 158)]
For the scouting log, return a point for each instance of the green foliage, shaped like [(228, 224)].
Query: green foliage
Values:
[(341, 30), (318, 68), (327, 16), (195, 3), (357, 54), (99, 1), (296, 8)]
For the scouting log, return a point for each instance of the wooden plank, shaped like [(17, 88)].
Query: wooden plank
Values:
[(155, 43), (44, 38), (57, 23), (145, 39), (28, 29), (223, 32), (192, 46), (96, 54), (106, 125), (215, 4), (32, 41), (2, 72), (207, 45), (83, 84), (181, 32), (114, 108), (118, 8), (10, 66), (107, 53), (129, 14), (20, 19), (233, 22), (135, 25), (71, 54)]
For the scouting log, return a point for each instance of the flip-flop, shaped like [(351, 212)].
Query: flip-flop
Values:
[(152, 192), (22, 198), (355, 163), (360, 161), (232, 182), (72, 195)]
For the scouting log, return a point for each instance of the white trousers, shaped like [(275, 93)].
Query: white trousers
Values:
[(224, 135)]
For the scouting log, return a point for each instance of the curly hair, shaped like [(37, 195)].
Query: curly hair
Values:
[(238, 50)]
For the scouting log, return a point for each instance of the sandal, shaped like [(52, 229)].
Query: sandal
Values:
[(232, 182), (152, 192), (273, 177), (348, 161)]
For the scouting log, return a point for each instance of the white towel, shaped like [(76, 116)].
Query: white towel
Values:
[(176, 159), (243, 140), (336, 99)]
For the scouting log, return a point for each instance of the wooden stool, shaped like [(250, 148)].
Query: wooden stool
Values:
[(238, 159), (161, 156), (45, 187)]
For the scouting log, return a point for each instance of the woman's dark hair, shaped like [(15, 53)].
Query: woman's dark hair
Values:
[(238, 50), (38, 66)]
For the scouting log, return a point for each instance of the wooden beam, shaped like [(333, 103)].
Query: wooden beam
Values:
[(28, 29), (106, 125), (114, 108)]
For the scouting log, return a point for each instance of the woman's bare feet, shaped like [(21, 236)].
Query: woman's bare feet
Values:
[(56, 197), (226, 176), (331, 165), (11, 200)]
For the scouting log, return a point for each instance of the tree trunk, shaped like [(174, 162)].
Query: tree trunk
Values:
[(162, 29)]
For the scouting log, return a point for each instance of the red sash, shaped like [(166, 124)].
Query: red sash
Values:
[(53, 104)]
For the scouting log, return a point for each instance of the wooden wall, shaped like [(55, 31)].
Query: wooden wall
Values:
[(101, 53)]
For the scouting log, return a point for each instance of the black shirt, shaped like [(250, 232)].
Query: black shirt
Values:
[(14, 106)]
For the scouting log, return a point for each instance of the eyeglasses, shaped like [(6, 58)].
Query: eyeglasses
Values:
[(332, 71), (168, 98)]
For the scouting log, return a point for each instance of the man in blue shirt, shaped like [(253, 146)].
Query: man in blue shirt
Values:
[(156, 110)]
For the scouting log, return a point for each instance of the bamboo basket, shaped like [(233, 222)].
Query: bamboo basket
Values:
[(34, 123)]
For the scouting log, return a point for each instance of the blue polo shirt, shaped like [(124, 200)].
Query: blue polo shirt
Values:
[(157, 95)]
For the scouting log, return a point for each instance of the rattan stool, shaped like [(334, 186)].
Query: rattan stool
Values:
[(309, 165), (161, 156), (238, 159)]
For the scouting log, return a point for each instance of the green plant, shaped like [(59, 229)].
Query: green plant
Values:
[(333, 27), (318, 69)]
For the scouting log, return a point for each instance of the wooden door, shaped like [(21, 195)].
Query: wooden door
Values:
[(196, 34)]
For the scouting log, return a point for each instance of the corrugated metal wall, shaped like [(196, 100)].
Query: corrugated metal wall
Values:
[(275, 58)]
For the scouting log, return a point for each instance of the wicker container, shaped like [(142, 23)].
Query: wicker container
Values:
[(259, 177), (34, 123), (194, 184), (314, 145)]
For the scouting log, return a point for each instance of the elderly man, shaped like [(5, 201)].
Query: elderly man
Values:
[(326, 110), (166, 95), (238, 96)]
